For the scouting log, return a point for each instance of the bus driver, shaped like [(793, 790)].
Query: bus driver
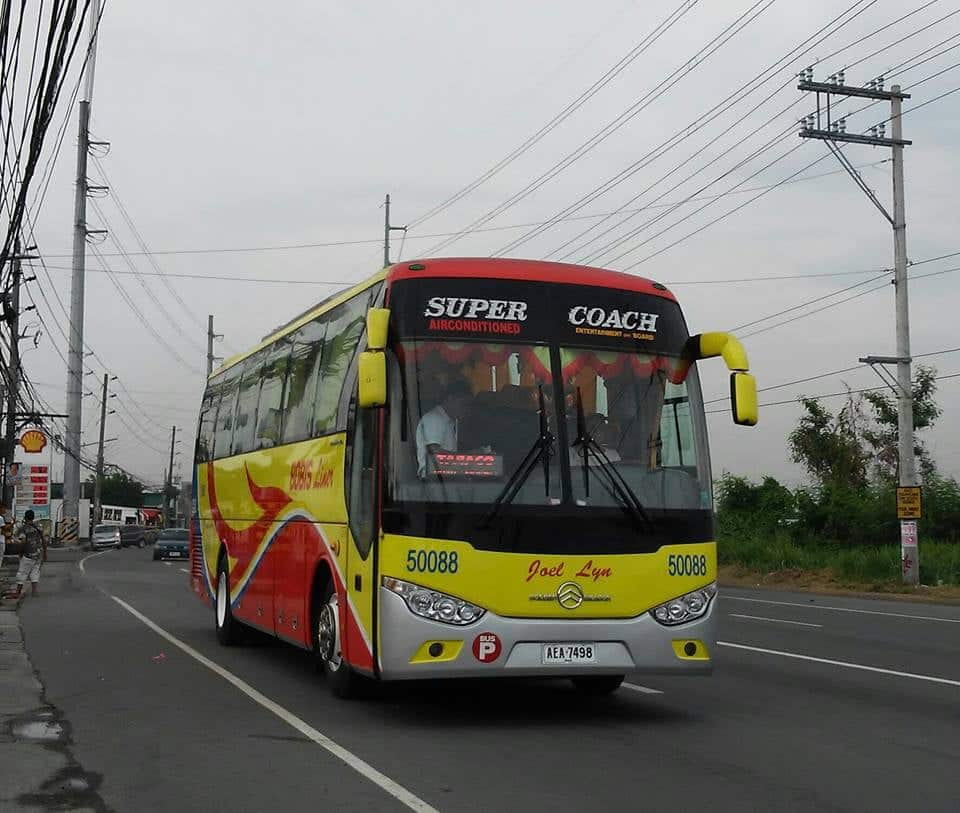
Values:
[(437, 429)]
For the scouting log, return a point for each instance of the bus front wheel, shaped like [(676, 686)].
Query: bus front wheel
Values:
[(343, 681), (598, 685), (228, 629)]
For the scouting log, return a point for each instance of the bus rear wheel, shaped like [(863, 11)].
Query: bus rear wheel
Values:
[(598, 685), (228, 628), (343, 681)]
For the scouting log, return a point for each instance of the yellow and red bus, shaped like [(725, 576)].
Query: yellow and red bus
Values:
[(464, 468)]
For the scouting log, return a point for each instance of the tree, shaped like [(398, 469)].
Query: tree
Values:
[(119, 489), (882, 439), (829, 447)]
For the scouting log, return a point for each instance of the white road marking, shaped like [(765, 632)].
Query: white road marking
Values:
[(642, 689), (397, 791), (83, 561), (184, 570), (844, 664), (841, 609), (167, 564), (777, 620)]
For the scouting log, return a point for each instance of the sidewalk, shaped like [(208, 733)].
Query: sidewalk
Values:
[(33, 735)]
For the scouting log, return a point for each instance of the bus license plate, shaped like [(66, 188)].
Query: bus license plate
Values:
[(569, 653)]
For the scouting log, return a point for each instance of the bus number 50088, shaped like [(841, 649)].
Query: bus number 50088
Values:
[(686, 565), (432, 561)]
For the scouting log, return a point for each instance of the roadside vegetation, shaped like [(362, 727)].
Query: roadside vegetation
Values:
[(841, 526)]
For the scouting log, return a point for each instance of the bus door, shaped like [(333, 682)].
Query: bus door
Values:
[(361, 492)]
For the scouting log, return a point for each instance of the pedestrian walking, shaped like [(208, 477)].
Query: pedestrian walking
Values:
[(33, 556)]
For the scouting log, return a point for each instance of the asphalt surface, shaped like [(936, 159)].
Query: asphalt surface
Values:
[(768, 731)]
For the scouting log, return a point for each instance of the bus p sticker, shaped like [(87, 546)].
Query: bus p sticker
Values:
[(487, 647)]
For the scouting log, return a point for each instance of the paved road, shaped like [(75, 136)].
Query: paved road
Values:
[(767, 732)]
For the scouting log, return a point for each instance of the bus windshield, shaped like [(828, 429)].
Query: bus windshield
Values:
[(481, 422)]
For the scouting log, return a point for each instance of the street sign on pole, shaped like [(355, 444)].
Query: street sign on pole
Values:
[(909, 502)]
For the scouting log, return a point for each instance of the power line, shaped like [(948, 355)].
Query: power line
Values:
[(698, 58), (809, 302), (183, 332), (699, 123), (829, 395), (838, 302), (115, 196), (564, 114), (379, 240), (726, 104), (147, 323), (831, 373)]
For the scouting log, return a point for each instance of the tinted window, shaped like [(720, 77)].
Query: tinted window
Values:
[(246, 418), (208, 419), (305, 355), (270, 409), (344, 327), (223, 432), (174, 535), (104, 529)]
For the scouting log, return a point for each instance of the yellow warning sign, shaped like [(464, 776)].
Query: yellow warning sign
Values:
[(908, 502)]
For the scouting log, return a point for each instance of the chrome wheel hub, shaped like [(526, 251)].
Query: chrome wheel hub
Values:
[(221, 600), (327, 639)]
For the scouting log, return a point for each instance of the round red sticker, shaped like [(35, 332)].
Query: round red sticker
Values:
[(487, 647)]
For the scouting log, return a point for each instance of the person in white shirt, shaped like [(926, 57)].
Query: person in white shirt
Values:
[(437, 429)]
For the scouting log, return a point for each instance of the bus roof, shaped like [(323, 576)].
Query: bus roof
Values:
[(462, 267), (536, 270)]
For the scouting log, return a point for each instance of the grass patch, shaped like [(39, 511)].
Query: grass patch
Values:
[(861, 564)]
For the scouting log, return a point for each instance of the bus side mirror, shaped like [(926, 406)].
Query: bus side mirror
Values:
[(743, 386), (743, 398), (372, 379), (378, 320)]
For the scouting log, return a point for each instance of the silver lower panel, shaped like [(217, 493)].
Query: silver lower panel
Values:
[(623, 645)]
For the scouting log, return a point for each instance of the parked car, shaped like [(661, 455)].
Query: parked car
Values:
[(132, 536), (171, 544), (105, 536)]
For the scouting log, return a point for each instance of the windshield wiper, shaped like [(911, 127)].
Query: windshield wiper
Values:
[(539, 451), (615, 484)]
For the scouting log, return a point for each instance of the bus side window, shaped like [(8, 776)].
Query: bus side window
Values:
[(270, 405), (223, 432), (345, 325), (301, 389), (361, 482), (245, 423), (208, 419)]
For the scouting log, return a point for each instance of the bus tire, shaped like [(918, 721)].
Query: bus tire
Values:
[(227, 627), (598, 685), (342, 680)]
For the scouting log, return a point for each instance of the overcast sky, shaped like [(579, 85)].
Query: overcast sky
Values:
[(238, 124)]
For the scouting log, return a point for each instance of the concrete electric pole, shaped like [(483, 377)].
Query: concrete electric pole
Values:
[(98, 485), (387, 228), (211, 337), (908, 497), (71, 472), (168, 500)]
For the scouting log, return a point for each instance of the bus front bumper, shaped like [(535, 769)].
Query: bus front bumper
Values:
[(413, 647)]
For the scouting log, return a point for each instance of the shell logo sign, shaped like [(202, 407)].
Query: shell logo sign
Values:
[(33, 441)]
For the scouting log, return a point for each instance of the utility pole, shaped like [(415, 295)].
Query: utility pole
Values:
[(908, 496), (98, 485), (387, 228), (71, 472), (168, 495), (211, 337)]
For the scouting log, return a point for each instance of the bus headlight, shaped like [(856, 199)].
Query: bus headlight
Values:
[(433, 604), (685, 608)]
